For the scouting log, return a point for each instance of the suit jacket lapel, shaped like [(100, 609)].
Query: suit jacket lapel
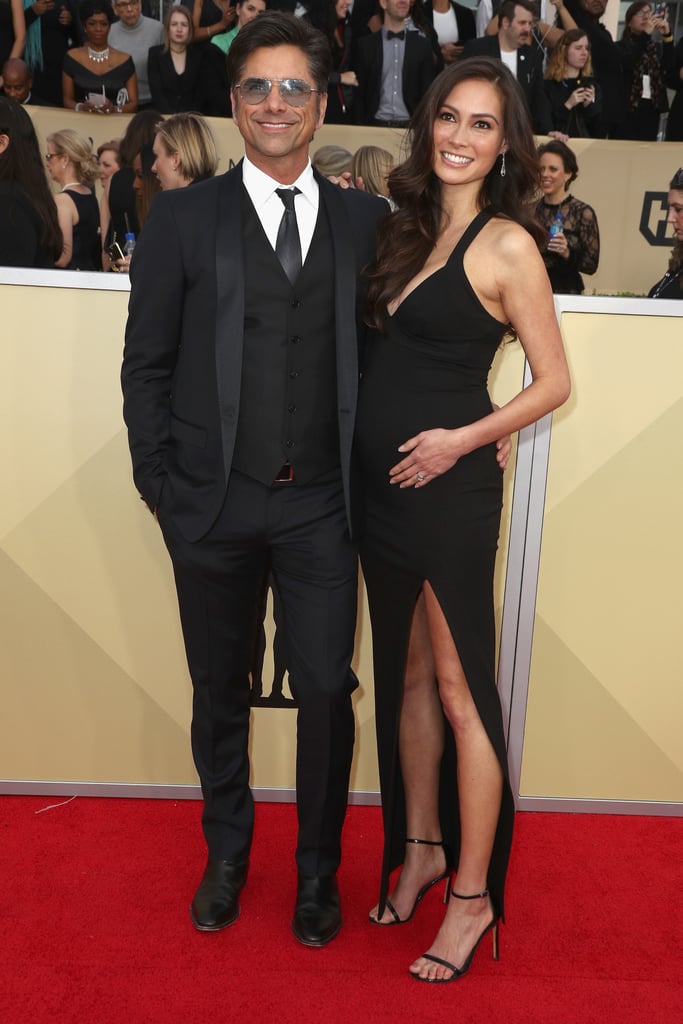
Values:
[(345, 288), (229, 307), (345, 282)]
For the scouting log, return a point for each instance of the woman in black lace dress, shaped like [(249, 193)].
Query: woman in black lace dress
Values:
[(573, 246)]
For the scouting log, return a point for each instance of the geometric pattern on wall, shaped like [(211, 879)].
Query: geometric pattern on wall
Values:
[(605, 701)]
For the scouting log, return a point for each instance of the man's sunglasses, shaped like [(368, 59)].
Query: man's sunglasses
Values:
[(294, 91)]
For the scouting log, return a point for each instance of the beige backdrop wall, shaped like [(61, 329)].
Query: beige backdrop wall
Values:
[(95, 688), (604, 705), (625, 182)]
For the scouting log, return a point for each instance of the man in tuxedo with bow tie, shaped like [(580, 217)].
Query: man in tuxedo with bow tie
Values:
[(513, 44), (394, 68), (240, 380)]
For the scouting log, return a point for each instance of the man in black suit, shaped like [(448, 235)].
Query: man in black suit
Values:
[(512, 46), (240, 379), (394, 68)]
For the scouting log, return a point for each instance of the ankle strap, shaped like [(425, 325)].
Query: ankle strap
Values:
[(426, 842), (474, 896)]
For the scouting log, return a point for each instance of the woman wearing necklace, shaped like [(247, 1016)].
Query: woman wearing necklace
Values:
[(175, 67), (96, 78), (671, 285), (72, 164), (573, 245)]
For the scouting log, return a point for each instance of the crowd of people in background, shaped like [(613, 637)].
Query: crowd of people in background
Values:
[(111, 57)]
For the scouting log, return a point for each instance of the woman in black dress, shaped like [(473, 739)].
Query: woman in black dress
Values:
[(29, 230), (96, 78), (445, 290), (72, 164), (123, 216), (175, 67), (671, 285)]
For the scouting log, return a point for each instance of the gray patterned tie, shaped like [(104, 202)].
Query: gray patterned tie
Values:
[(288, 244)]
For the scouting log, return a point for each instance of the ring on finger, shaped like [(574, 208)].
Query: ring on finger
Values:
[(420, 477)]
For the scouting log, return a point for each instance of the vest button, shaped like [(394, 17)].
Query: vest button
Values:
[(296, 304), (295, 339), (291, 408), (289, 444), (293, 374)]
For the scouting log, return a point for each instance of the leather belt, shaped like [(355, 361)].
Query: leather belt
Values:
[(285, 474)]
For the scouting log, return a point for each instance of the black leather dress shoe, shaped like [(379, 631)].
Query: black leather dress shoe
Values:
[(317, 916), (215, 903)]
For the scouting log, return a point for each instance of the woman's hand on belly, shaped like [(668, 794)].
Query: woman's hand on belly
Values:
[(428, 455)]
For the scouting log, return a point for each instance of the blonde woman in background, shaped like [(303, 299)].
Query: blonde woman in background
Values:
[(72, 164), (574, 95), (370, 170), (184, 151), (108, 162), (332, 161)]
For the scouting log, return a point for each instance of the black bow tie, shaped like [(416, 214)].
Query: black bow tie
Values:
[(396, 35)]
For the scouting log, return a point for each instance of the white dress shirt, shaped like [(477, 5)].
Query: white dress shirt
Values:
[(269, 207)]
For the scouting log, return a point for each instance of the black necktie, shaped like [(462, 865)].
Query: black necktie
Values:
[(288, 244), (396, 35)]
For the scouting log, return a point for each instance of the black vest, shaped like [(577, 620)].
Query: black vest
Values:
[(288, 397)]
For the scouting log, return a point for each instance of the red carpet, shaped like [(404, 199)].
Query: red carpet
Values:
[(95, 928)]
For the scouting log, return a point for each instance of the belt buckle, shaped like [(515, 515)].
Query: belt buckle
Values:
[(285, 474)]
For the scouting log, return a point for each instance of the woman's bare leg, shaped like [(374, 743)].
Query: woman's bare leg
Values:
[(480, 782), (420, 751)]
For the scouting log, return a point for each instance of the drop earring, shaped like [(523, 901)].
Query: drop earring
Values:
[(502, 164)]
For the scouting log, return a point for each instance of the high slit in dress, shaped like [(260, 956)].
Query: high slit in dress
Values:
[(430, 370)]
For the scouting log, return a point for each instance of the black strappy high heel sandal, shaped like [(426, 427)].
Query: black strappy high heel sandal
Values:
[(459, 971), (425, 888)]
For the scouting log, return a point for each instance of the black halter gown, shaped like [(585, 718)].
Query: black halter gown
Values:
[(430, 370)]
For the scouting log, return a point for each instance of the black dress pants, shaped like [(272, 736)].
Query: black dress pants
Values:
[(302, 530)]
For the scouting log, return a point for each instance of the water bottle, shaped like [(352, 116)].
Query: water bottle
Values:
[(556, 228), (128, 246)]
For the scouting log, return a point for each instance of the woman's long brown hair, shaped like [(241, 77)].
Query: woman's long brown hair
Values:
[(407, 236)]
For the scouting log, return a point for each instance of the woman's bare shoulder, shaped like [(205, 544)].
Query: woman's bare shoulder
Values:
[(510, 239), (78, 54)]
